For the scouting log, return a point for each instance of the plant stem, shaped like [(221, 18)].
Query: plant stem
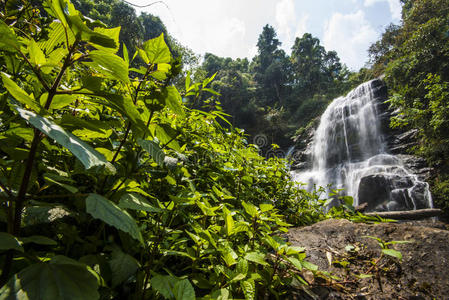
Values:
[(16, 217)]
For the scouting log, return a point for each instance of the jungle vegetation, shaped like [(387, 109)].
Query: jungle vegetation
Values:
[(123, 171)]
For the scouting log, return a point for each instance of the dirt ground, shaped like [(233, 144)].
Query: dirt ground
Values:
[(342, 248)]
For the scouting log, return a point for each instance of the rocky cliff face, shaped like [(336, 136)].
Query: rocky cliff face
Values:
[(398, 183)]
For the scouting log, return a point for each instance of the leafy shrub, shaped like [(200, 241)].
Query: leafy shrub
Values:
[(112, 188)]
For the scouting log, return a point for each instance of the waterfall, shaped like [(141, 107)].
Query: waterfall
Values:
[(350, 152)]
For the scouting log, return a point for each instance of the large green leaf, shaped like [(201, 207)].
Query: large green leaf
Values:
[(124, 105), (99, 40), (9, 40), (157, 50), (249, 289), (39, 239), (73, 20), (109, 64), (101, 208), (122, 266), (161, 72), (183, 290), (37, 57), (256, 257), (61, 101), (9, 242), (137, 202), (19, 94), (113, 33), (52, 46), (88, 156), (174, 100), (62, 278), (167, 136), (164, 285), (173, 288), (154, 150)]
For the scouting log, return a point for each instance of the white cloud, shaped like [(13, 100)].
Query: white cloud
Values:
[(231, 28), (285, 18), (395, 7), (288, 26), (350, 35), (301, 28)]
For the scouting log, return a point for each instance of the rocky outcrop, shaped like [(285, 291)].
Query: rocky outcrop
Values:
[(345, 250)]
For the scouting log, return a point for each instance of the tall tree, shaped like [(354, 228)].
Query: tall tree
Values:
[(270, 66), (315, 70)]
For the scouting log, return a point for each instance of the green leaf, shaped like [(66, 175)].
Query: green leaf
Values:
[(296, 262), (57, 8), (309, 266), (9, 242), (249, 289), (266, 207), (250, 209), (183, 290), (109, 64), (9, 40), (164, 285), (50, 178), (112, 33), (19, 94), (52, 46), (37, 57), (174, 100), (122, 266), (137, 202), (256, 257), (229, 256), (142, 55), (167, 136), (161, 72), (92, 83), (398, 242), (392, 252), (61, 101), (105, 210), (229, 222), (154, 150), (157, 50), (221, 294), (62, 278), (125, 106), (39, 239), (88, 156), (125, 54)]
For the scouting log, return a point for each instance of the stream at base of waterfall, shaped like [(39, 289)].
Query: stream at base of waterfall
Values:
[(349, 152)]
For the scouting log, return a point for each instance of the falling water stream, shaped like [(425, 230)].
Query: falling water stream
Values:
[(349, 152)]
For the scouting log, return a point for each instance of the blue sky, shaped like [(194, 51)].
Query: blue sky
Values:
[(230, 28)]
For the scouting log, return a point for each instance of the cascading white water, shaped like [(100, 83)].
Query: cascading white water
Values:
[(349, 152)]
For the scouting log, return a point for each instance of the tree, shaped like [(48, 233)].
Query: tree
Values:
[(418, 77), (269, 67), (314, 69)]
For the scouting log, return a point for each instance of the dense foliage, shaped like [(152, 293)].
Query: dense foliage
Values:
[(275, 93), (111, 188), (415, 59)]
